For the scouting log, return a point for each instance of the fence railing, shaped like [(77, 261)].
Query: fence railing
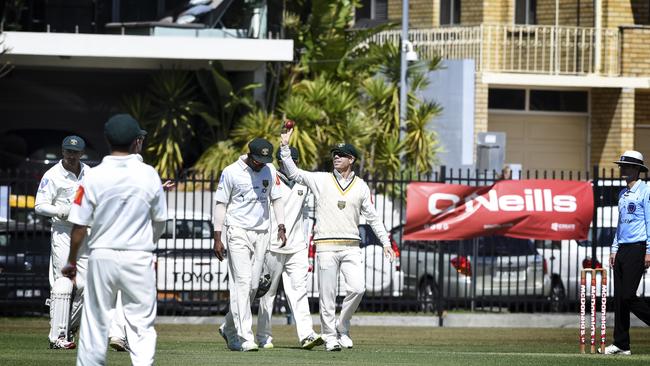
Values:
[(519, 48), (489, 273)]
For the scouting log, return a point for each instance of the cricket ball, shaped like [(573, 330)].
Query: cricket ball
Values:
[(289, 124)]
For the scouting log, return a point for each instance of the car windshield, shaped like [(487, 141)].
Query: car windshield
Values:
[(368, 236), (188, 229), (11, 242), (489, 246)]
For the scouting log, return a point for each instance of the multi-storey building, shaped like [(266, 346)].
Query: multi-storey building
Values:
[(567, 81), (74, 61)]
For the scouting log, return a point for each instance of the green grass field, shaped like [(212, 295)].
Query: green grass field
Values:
[(23, 342)]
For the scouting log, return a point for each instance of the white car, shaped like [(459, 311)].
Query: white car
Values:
[(568, 257), (383, 278), (189, 276)]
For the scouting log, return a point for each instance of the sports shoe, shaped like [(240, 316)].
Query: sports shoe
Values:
[(62, 343), (249, 346), (333, 346), (344, 340), (312, 341), (614, 350), (222, 332), (267, 344), (119, 344)]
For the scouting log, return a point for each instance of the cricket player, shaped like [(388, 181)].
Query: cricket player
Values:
[(340, 198), (124, 201), (246, 190), (53, 199), (291, 263)]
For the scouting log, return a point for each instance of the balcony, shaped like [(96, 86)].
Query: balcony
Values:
[(520, 48)]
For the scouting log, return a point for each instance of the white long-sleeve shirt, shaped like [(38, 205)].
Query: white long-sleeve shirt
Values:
[(339, 204), (55, 193)]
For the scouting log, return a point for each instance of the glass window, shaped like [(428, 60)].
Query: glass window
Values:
[(372, 9), (449, 12), (514, 99), (526, 12), (559, 101)]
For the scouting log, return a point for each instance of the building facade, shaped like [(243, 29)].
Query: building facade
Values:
[(567, 81)]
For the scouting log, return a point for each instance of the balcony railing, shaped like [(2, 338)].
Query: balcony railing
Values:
[(519, 48)]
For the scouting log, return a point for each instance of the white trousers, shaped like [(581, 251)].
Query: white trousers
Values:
[(293, 270), (246, 250), (132, 273), (351, 265), (118, 325), (58, 259)]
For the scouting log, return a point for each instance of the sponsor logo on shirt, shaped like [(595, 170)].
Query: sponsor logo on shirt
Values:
[(79, 195), (44, 182)]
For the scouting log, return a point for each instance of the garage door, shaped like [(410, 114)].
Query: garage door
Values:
[(543, 142), (642, 141)]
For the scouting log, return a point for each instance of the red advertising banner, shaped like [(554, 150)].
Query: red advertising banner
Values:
[(536, 208)]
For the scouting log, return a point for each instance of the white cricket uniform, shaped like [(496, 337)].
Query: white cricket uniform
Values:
[(124, 201), (339, 204), (247, 194), (54, 199), (289, 262)]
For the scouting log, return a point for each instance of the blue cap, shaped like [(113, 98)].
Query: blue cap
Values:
[(74, 143)]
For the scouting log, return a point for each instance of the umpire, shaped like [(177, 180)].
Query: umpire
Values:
[(630, 254)]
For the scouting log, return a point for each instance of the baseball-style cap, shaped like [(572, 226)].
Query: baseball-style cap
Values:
[(261, 150), (634, 158), (74, 143), (345, 149), (295, 154), (122, 129)]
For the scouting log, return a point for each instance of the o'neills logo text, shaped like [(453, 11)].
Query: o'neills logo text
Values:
[(533, 200)]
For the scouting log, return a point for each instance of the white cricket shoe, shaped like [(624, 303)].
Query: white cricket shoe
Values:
[(62, 343), (614, 350), (312, 341), (267, 343), (119, 344), (332, 346), (345, 341), (249, 346)]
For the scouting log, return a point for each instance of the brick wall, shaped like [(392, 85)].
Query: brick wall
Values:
[(422, 13), (480, 107), (635, 55), (620, 12), (612, 124), (642, 108), (471, 12)]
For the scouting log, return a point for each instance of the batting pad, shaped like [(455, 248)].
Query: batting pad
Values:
[(61, 296)]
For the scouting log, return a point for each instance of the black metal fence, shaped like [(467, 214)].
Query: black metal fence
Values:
[(488, 273)]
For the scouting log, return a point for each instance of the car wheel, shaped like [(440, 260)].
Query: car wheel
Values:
[(557, 297), (428, 295)]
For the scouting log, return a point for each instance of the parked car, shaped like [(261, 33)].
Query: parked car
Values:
[(24, 267), (493, 268), (189, 276), (568, 257), (383, 278)]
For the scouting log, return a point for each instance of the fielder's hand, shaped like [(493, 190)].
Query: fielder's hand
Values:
[(219, 249), (612, 258), (284, 137), (168, 185), (69, 270), (282, 235), (647, 260), (389, 253)]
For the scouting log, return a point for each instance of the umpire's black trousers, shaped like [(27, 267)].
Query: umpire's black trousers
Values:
[(629, 266)]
